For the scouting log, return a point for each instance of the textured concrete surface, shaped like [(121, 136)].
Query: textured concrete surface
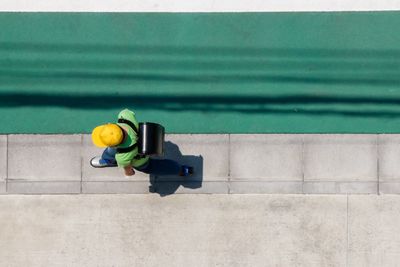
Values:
[(57, 187), (259, 187), (3, 163), (3, 187), (44, 157), (181, 230), (374, 227), (389, 158), (162, 188), (200, 230), (208, 153), (260, 163), (266, 157), (127, 187), (340, 158), (389, 188), (340, 188)]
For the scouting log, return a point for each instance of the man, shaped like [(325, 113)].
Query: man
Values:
[(120, 140)]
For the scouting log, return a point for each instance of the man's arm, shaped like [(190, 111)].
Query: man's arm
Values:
[(129, 171)]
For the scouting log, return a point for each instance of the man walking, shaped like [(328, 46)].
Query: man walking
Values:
[(120, 142)]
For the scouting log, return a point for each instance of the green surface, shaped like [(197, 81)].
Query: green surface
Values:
[(201, 73)]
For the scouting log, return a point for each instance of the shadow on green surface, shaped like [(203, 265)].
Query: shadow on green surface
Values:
[(365, 79), (295, 104), (72, 63), (191, 50), (232, 69)]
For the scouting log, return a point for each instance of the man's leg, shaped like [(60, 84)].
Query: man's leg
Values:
[(107, 159)]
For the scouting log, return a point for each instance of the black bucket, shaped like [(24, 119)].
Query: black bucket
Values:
[(151, 138)]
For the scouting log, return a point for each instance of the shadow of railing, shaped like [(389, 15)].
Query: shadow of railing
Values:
[(83, 67), (306, 104), (72, 63)]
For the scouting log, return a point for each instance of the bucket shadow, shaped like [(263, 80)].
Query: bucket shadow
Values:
[(168, 184)]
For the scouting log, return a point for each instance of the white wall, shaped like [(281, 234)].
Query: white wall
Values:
[(198, 5)]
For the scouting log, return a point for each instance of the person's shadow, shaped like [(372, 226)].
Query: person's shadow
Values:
[(168, 184)]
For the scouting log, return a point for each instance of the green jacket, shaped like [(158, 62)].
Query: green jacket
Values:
[(128, 158)]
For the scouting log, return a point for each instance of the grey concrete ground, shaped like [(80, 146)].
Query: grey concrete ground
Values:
[(224, 163), (200, 230), (334, 203)]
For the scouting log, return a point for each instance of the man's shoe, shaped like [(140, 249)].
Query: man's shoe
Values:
[(98, 162)]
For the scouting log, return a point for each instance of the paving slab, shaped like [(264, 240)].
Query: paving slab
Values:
[(3, 163), (330, 164), (104, 187), (191, 187), (340, 187), (320, 188), (389, 157), (374, 227), (271, 157), (113, 174), (3, 188), (44, 157), (262, 187), (340, 157), (389, 187), (59, 187), (180, 230), (357, 188), (162, 188)]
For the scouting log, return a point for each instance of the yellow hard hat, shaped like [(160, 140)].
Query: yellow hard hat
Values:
[(107, 135)]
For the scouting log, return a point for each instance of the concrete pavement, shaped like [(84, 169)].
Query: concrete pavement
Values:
[(200, 230), (224, 163)]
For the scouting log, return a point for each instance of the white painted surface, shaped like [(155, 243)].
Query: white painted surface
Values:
[(197, 5)]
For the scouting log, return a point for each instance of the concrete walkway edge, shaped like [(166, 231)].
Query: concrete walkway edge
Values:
[(225, 163)]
